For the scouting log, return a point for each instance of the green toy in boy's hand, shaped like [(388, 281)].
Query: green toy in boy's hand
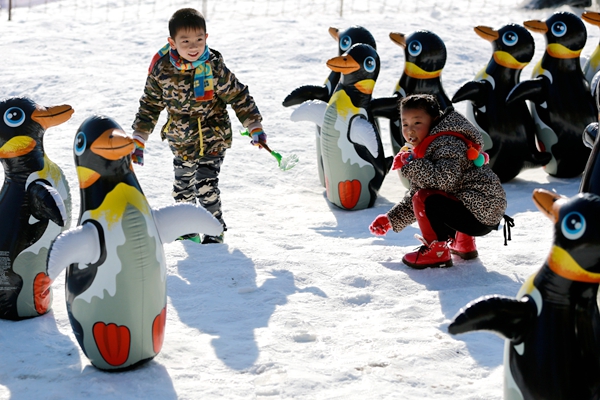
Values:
[(285, 163)]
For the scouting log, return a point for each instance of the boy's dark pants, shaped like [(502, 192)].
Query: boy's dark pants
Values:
[(199, 179)]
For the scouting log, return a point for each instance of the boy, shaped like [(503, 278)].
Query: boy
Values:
[(192, 82), (453, 194)]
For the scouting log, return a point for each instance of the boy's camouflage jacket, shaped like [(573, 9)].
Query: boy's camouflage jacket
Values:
[(171, 89)]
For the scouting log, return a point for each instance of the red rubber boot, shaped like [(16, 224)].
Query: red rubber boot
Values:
[(463, 246), (433, 255)]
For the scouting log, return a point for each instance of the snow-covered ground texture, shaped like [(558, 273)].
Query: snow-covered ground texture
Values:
[(301, 301)]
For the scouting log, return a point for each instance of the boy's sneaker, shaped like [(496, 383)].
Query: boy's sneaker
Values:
[(208, 239), (433, 255), (194, 237)]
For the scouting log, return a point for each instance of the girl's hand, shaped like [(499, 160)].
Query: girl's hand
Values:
[(380, 225)]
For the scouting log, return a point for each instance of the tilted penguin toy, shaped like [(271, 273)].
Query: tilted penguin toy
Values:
[(562, 102), (354, 163), (592, 64), (424, 59), (510, 127), (35, 206), (345, 40), (552, 327), (116, 270)]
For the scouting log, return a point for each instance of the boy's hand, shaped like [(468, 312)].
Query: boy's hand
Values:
[(137, 155), (401, 159), (381, 225), (258, 136)]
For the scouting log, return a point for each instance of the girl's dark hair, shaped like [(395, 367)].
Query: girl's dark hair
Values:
[(186, 18), (425, 102)]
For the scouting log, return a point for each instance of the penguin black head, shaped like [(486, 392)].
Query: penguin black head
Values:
[(23, 123), (575, 254), (101, 148), (351, 36), (565, 34), (513, 45), (424, 51), (360, 67)]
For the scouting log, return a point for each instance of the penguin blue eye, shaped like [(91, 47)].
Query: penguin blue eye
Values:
[(345, 42), (80, 143), (573, 225), (510, 38), (14, 117), (414, 48), (369, 64), (559, 29)]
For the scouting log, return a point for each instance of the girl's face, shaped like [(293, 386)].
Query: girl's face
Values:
[(415, 125), (189, 43)]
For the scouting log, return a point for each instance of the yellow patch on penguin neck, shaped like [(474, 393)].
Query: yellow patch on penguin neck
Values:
[(114, 204), (86, 177), (343, 104), (559, 51), (508, 61), (561, 263), (417, 72), (365, 86), (17, 146)]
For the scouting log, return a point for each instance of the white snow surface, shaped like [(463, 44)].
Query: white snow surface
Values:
[(301, 301)]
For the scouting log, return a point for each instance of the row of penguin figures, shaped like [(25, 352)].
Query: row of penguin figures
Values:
[(115, 265), (525, 123)]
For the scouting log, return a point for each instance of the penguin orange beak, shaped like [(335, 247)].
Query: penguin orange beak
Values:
[(398, 38), (591, 17), (113, 144), (51, 116), (548, 202), (535, 25), (343, 64), (335, 33), (487, 33)]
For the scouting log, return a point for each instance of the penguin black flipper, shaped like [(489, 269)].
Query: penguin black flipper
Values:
[(590, 182), (534, 89), (475, 91), (506, 316), (46, 203), (385, 107), (306, 92)]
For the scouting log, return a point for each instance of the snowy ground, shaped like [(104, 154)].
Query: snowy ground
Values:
[(301, 301)]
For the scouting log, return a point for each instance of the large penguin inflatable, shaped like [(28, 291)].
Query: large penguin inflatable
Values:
[(354, 163), (510, 127), (345, 40), (35, 206), (562, 102), (424, 58), (116, 270), (552, 327)]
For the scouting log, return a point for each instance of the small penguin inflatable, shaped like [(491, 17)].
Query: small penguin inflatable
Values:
[(509, 127), (592, 64), (354, 163), (562, 102), (425, 57), (345, 40), (116, 270), (552, 328), (35, 206)]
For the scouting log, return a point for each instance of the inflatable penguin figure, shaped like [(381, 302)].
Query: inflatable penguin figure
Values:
[(562, 102), (552, 328), (354, 164), (425, 57), (35, 206), (345, 40), (510, 127), (116, 270), (540, 4), (592, 64)]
